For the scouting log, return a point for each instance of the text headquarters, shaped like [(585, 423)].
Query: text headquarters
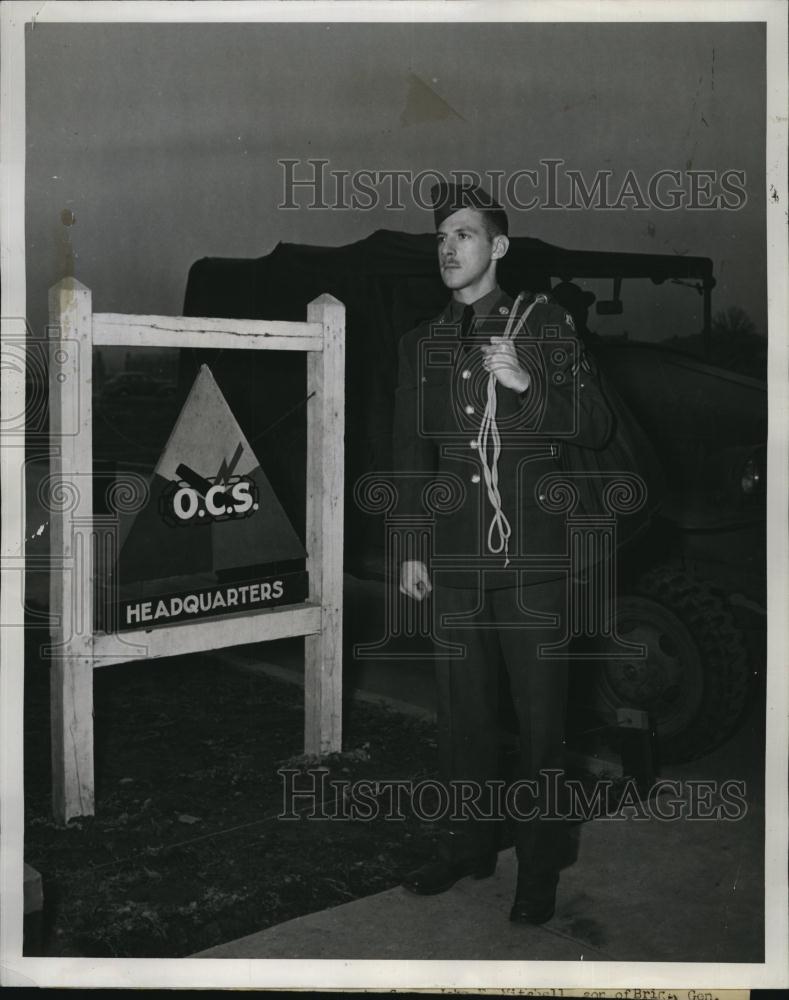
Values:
[(311, 794)]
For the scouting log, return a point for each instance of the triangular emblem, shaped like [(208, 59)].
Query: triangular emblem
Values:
[(212, 518)]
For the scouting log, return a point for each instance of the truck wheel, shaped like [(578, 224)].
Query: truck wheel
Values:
[(695, 678)]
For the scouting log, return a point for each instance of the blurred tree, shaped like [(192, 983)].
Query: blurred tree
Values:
[(736, 344), (733, 321)]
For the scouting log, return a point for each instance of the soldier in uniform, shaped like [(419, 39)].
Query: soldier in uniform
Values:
[(484, 400)]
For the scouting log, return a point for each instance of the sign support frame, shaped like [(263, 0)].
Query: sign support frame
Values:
[(77, 649)]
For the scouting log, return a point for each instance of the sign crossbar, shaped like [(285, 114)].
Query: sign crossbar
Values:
[(206, 634), (117, 330)]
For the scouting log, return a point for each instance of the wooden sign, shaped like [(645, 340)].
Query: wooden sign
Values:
[(212, 538), (203, 528)]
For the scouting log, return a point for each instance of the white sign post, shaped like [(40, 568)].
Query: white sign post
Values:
[(77, 648)]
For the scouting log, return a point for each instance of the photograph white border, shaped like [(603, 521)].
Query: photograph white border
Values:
[(18, 970)]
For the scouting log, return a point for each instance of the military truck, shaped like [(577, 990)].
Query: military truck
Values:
[(692, 589)]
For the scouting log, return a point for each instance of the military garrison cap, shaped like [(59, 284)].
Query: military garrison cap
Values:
[(450, 198)]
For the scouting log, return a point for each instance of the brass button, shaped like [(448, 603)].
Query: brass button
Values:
[(473, 444), (475, 478), (469, 409), (465, 373)]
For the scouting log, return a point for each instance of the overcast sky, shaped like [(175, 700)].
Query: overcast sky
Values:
[(164, 140)]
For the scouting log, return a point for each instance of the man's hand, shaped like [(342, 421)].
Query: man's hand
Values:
[(415, 580), (501, 359)]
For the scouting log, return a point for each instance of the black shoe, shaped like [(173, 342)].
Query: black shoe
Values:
[(534, 903), (438, 876)]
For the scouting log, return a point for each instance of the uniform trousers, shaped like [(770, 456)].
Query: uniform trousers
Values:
[(502, 640)]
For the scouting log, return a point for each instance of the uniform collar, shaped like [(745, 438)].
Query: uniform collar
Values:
[(494, 303)]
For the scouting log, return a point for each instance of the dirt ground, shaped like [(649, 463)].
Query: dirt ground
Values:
[(186, 849)]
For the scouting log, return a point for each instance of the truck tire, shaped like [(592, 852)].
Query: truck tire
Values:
[(695, 678)]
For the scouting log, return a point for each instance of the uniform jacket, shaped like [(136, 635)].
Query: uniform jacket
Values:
[(441, 396)]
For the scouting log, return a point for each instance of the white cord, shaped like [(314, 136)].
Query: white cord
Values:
[(489, 433)]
